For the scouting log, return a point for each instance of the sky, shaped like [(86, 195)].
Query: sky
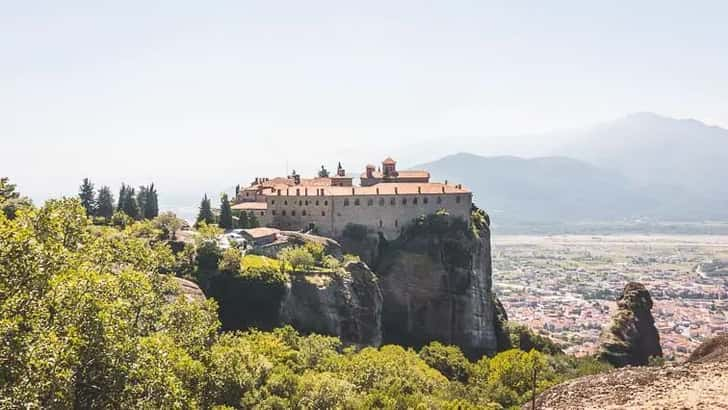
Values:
[(199, 96)]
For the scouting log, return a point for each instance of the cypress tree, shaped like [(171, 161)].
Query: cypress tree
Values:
[(205, 214), (87, 195), (123, 191), (105, 203), (226, 213), (130, 206), (151, 206), (243, 221), (141, 199)]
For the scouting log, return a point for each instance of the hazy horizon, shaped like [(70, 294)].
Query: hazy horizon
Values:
[(198, 98)]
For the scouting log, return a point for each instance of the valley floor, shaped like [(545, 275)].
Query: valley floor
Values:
[(565, 286)]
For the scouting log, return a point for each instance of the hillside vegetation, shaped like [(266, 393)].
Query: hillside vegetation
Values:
[(92, 319)]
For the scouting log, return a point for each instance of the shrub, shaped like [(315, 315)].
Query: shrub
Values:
[(329, 262), (230, 261), (449, 360), (298, 257)]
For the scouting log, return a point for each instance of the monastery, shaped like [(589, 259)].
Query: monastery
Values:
[(384, 200)]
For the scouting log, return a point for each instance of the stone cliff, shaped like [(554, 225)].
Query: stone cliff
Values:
[(347, 304), (632, 338), (436, 285)]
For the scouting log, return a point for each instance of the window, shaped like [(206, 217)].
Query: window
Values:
[(326, 203), (414, 201), (317, 202), (439, 200), (272, 201), (457, 199), (396, 223), (285, 202), (346, 202), (381, 202), (303, 212), (380, 223), (300, 203), (273, 212), (283, 212), (425, 200), (393, 202), (306, 202), (262, 213), (356, 202), (293, 213), (404, 201), (323, 213), (370, 202)]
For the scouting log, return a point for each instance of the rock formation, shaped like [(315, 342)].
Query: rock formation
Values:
[(436, 284), (348, 305), (632, 337)]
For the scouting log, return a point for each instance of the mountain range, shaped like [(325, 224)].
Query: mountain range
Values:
[(640, 167)]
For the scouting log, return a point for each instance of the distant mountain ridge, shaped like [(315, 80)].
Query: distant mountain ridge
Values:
[(641, 166)]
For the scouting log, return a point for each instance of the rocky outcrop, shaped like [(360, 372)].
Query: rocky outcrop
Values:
[(190, 289), (701, 383), (436, 283), (346, 304), (632, 337)]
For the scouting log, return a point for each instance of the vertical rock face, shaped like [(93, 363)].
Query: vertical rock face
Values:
[(348, 305), (436, 284), (632, 337)]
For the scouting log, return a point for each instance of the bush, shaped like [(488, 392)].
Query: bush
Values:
[(231, 261), (449, 360), (297, 257)]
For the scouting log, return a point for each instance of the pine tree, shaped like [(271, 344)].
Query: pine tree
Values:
[(226, 213), (205, 214), (105, 203), (87, 195)]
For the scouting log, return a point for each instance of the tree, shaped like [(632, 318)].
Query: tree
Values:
[(298, 257), (10, 199), (205, 215), (226, 213), (104, 203), (243, 220), (130, 206), (87, 195), (168, 223), (147, 201)]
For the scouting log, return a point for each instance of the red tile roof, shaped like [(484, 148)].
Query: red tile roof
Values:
[(250, 206)]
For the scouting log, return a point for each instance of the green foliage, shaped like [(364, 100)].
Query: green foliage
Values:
[(226, 213), (208, 232), (121, 219), (147, 201), (87, 320), (105, 203), (87, 196), (522, 337), (10, 200), (331, 263), (205, 214), (128, 202), (299, 258), (316, 250), (231, 261), (168, 224), (449, 360)]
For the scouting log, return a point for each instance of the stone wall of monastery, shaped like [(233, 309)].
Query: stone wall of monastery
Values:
[(385, 213)]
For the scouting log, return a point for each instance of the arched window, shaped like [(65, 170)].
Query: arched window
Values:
[(285, 202), (414, 201), (425, 200), (396, 223), (262, 213), (283, 212), (439, 200), (346, 202), (381, 201), (326, 203), (300, 203), (306, 202), (393, 202), (303, 212), (457, 199), (404, 201), (272, 201), (317, 202), (380, 223), (273, 212), (293, 213), (323, 213), (370, 202), (356, 202)]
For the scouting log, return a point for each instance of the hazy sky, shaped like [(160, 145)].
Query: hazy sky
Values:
[(203, 95)]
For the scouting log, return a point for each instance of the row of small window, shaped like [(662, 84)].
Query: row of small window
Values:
[(301, 203), (293, 213), (370, 201)]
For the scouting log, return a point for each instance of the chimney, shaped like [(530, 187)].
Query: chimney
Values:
[(419, 189), (396, 190), (353, 192)]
